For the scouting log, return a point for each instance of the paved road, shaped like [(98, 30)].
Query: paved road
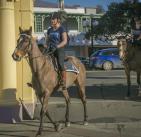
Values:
[(108, 77)]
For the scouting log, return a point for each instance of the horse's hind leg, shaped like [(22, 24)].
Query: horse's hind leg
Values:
[(127, 72), (139, 83), (83, 99), (67, 98)]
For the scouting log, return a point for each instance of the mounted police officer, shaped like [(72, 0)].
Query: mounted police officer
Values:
[(135, 22), (136, 31)]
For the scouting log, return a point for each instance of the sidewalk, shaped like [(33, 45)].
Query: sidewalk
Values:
[(29, 129)]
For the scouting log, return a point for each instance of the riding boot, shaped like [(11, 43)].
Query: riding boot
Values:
[(63, 79)]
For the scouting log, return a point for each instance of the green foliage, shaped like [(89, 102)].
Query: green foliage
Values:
[(118, 19), (63, 15), (99, 9), (88, 35)]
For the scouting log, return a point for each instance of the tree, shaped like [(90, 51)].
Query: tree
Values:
[(117, 19), (99, 9), (63, 15)]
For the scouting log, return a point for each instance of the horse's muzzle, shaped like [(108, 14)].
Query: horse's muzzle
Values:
[(15, 57)]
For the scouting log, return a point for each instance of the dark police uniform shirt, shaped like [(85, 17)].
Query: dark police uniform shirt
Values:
[(55, 36), (136, 32)]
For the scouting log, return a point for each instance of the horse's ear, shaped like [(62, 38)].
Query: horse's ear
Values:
[(20, 30), (118, 44), (30, 30)]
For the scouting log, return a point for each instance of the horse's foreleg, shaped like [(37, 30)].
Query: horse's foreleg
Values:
[(44, 103), (67, 98), (128, 83), (41, 119), (139, 83), (57, 126)]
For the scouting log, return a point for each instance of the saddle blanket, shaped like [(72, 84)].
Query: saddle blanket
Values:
[(70, 67)]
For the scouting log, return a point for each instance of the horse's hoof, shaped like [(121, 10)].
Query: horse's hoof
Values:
[(67, 124), (58, 127), (38, 134), (85, 123)]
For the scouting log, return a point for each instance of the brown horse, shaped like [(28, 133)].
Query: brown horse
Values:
[(130, 56), (45, 77)]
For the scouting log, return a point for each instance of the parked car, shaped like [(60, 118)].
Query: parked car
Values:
[(106, 59)]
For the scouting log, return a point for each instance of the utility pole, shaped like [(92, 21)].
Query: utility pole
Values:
[(91, 30), (61, 4)]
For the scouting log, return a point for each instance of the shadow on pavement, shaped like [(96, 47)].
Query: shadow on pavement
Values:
[(103, 91), (8, 135), (114, 120)]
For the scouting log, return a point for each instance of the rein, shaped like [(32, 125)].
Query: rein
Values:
[(33, 57), (29, 55)]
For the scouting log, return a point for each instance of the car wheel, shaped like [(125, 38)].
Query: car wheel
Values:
[(108, 65)]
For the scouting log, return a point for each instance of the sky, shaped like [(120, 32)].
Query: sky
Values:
[(87, 3)]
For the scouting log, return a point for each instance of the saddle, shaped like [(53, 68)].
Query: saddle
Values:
[(69, 66)]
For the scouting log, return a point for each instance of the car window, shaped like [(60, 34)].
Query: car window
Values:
[(115, 52), (106, 53), (110, 52), (81, 58), (96, 53)]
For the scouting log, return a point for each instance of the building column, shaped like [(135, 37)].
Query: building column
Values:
[(78, 23), (24, 18), (81, 25), (14, 76), (9, 106)]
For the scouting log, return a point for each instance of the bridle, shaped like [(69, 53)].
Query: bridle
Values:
[(29, 46)]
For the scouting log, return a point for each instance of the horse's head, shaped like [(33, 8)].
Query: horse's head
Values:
[(23, 44), (122, 46)]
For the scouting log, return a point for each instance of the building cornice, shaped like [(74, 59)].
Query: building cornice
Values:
[(68, 10)]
